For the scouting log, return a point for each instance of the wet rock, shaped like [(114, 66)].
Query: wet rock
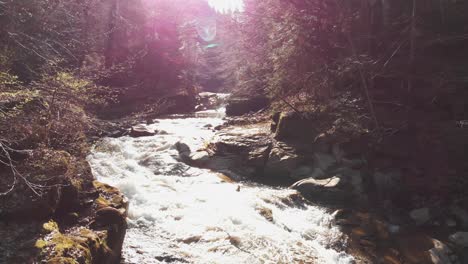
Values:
[(109, 216), (266, 213), (117, 133), (282, 162), (161, 132), (111, 212), (345, 186), (243, 105), (342, 214), (192, 239), (184, 151), (323, 165), (200, 158), (243, 154), (325, 190), (170, 259), (421, 216), (460, 239), (345, 217), (79, 245), (141, 131), (312, 183), (440, 253)]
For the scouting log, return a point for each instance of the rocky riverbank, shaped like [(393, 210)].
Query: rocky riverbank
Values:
[(326, 159), (52, 210)]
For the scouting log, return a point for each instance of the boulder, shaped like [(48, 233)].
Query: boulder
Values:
[(346, 185), (441, 253), (460, 239), (295, 126), (283, 161), (326, 190), (267, 213), (200, 158), (108, 216), (312, 184), (238, 106), (323, 164), (346, 220), (141, 131), (111, 212), (78, 245), (234, 151), (183, 149), (421, 216)]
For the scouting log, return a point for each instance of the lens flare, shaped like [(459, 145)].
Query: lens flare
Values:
[(227, 6)]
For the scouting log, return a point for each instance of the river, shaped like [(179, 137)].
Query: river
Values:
[(182, 214)]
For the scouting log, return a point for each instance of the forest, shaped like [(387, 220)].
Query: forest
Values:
[(307, 131)]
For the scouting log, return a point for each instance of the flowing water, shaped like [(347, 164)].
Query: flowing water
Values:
[(181, 214)]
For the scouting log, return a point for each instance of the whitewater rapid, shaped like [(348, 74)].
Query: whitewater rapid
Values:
[(181, 214)]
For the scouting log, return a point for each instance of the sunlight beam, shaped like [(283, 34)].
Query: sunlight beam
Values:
[(227, 6)]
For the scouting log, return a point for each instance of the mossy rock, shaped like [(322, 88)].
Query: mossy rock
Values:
[(80, 245), (238, 106), (109, 197), (111, 212), (292, 125)]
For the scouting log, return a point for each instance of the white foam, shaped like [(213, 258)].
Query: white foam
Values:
[(190, 214)]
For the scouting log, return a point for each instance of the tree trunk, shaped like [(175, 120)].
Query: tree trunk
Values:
[(111, 39)]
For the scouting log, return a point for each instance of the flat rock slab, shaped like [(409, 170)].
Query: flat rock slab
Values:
[(329, 190), (141, 131), (332, 182), (460, 239)]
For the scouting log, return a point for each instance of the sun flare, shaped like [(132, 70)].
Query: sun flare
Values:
[(227, 6)]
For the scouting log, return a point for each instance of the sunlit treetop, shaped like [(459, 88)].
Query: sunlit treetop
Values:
[(227, 6)]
